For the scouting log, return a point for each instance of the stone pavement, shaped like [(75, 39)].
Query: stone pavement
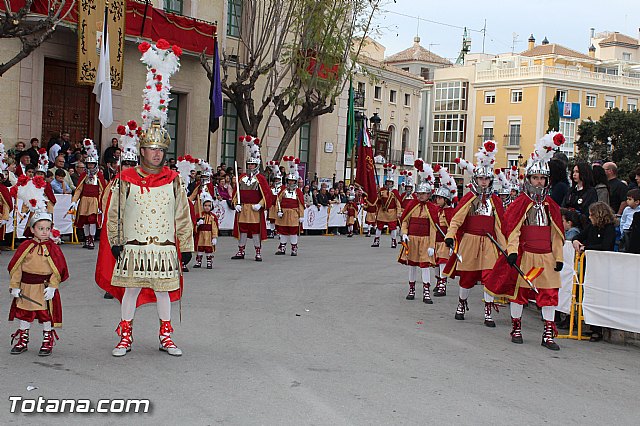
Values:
[(326, 338)]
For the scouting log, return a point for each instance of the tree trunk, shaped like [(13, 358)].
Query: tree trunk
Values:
[(286, 140)]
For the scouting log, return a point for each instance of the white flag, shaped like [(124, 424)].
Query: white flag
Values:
[(102, 88)]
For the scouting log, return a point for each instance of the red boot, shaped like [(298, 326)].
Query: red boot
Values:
[(550, 331), (240, 253), (166, 344), (125, 331), (258, 254), (412, 291), (49, 339), (23, 341)]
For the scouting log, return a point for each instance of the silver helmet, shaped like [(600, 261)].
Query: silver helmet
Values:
[(443, 192)]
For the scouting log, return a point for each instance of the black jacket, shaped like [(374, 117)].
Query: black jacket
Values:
[(600, 239), (634, 236), (617, 193)]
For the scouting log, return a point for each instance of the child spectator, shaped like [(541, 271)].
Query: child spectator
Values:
[(633, 206), (58, 185), (571, 222), (599, 235)]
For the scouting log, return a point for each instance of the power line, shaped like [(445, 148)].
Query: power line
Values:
[(432, 22)]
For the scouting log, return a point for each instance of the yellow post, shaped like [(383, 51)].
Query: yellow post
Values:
[(15, 224), (577, 294), (326, 232)]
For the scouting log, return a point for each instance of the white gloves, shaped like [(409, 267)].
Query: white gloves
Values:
[(99, 211), (199, 221), (280, 215), (301, 219), (238, 208), (430, 251), (256, 207), (73, 206), (49, 292), (405, 238), (214, 241), (15, 292)]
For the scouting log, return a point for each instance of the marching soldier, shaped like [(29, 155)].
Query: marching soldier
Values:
[(387, 208)]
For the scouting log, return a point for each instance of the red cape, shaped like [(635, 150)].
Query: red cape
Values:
[(4, 192), (54, 251), (503, 278), (268, 202), (106, 262)]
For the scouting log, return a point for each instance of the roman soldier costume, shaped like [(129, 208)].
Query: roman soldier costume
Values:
[(444, 196), (206, 237), (36, 270), (276, 185), (148, 225), (251, 197), (388, 204), (408, 194), (535, 239), (479, 213), (6, 200), (509, 185), (419, 233), (290, 205), (370, 213), (351, 210), (204, 186), (87, 196)]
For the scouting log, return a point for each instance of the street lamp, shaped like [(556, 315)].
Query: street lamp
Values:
[(375, 122)]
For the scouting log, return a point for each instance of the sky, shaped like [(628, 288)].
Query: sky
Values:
[(566, 22)]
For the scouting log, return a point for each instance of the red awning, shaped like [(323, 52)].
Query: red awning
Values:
[(190, 34)]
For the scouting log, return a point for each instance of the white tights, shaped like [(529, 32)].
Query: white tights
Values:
[(25, 325), (548, 312), (89, 229), (464, 294), (130, 298), (426, 274)]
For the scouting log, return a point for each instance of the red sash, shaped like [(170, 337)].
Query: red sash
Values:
[(535, 239), (250, 196), (205, 227), (90, 191), (479, 225), (289, 203), (419, 226), (28, 278)]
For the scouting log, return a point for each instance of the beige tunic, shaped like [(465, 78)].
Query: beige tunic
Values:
[(290, 215), (33, 263), (248, 215), (418, 245), (153, 220)]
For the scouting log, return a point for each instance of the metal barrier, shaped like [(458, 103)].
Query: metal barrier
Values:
[(577, 294)]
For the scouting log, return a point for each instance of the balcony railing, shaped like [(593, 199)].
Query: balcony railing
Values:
[(512, 140), (545, 71), (482, 138)]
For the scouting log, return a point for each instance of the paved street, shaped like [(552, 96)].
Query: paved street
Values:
[(326, 338)]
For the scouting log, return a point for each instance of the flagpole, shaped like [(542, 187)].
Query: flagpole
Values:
[(215, 41)]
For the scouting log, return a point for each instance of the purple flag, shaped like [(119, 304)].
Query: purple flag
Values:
[(215, 97)]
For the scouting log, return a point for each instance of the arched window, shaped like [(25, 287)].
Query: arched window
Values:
[(405, 139), (392, 134)]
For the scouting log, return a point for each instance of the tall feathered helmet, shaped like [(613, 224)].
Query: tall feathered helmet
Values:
[(408, 180), (43, 161), (485, 157), (390, 173), (185, 165), (252, 150), (448, 188), (275, 170), (351, 195), (513, 178), (205, 170), (505, 185), (426, 177), (92, 152), (205, 196), (129, 137), (538, 164), (292, 169), (31, 192)]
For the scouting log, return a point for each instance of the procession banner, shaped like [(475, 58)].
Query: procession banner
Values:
[(612, 290), (62, 221), (335, 217), (226, 215), (566, 278), (90, 25), (315, 218)]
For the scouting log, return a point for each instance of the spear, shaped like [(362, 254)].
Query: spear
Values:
[(514, 266)]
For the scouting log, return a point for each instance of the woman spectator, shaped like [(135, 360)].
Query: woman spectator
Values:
[(11, 171), (308, 197), (599, 235), (582, 194), (12, 152), (559, 180), (601, 183)]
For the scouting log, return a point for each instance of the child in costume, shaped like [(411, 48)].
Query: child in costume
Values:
[(206, 232), (443, 197), (290, 205), (351, 210), (36, 270)]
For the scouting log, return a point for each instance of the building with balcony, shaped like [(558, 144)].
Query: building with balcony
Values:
[(508, 97)]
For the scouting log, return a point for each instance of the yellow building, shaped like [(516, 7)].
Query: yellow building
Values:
[(508, 96)]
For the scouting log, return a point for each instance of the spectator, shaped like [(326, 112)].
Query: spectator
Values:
[(109, 153), (172, 161), (558, 179), (11, 171), (631, 180), (571, 222), (633, 207), (322, 198), (13, 152), (80, 169), (307, 196), (601, 187), (75, 150), (634, 235), (333, 197), (59, 185), (29, 170), (55, 149), (599, 235), (49, 178), (111, 170), (33, 151), (59, 165), (194, 183), (224, 187), (617, 188), (24, 160), (582, 194)]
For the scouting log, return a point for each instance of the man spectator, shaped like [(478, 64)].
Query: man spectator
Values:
[(33, 151), (617, 188), (24, 160), (109, 153), (80, 170), (322, 199), (55, 149), (111, 170), (59, 165), (58, 184)]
